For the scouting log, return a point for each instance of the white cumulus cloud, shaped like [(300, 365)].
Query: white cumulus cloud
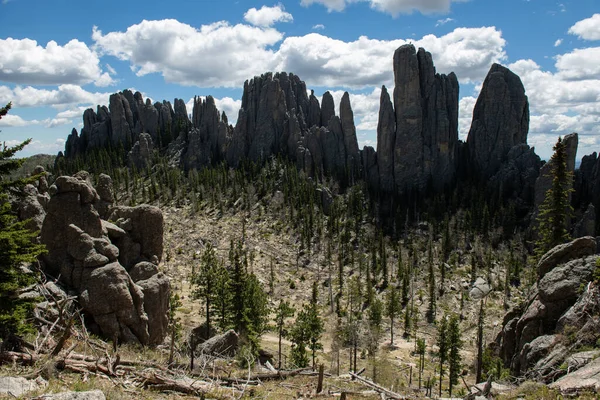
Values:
[(579, 64), (218, 54), (588, 29), (64, 95), (558, 42), (392, 7), (26, 62), (268, 16)]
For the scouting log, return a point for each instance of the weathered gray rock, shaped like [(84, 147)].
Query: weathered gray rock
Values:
[(156, 291), (517, 176), (140, 155), (535, 350), (544, 181), (327, 109), (115, 302), (30, 208), (104, 188), (71, 204), (145, 227), (480, 289), (562, 283), (560, 254), (122, 123), (426, 111), (220, 345), (553, 299), (386, 141), (353, 161), (88, 395), (587, 225), (586, 378), (500, 121), (142, 271), (205, 143), (18, 386), (314, 111)]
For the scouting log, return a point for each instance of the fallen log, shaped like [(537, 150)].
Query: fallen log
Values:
[(185, 385), (377, 388)]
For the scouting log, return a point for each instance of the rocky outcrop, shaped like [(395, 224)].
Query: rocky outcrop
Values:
[(528, 338), (90, 257), (140, 155), (417, 141), (563, 253), (206, 142), (544, 181), (500, 121)]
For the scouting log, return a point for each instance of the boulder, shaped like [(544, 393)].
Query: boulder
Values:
[(586, 378), (18, 386), (142, 271), (560, 254), (220, 345), (88, 395), (480, 289)]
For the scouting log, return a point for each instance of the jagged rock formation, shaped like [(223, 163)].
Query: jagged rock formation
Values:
[(417, 133), (500, 120), (497, 141), (124, 120), (205, 143), (92, 257), (278, 117), (417, 137), (528, 342), (140, 155), (544, 181)]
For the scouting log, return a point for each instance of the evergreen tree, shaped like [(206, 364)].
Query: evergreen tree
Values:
[(204, 281), (307, 331), (454, 346), (16, 248), (555, 211), (392, 309), (442, 342), (175, 326), (283, 312), (431, 309)]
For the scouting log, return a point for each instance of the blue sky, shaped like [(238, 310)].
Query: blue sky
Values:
[(59, 57)]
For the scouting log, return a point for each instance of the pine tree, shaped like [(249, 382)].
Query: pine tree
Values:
[(175, 326), (283, 312), (16, 248), (442, 342), (307, 331), (556, 210), (204, 281), (454, 346), (392, 309), (431, 309)]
